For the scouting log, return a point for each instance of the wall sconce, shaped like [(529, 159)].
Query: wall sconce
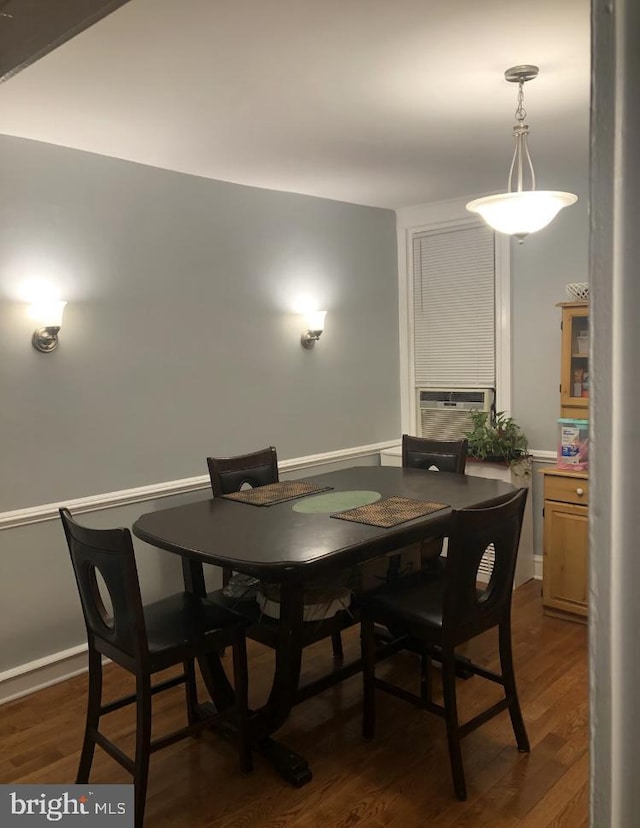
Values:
[(315, 325), (48, 317)]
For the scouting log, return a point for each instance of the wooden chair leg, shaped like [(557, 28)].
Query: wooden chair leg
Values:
[(336, 641), (94, 701), (368, 652), (509, 678), (191, 691), (241, 685), (451, 716), (143, 746), (425, 678)]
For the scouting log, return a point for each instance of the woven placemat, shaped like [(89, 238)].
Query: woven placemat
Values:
[(274, 493), (390, 512)]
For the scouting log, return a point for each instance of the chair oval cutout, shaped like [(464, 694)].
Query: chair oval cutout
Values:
[(484, 574), (102, 603)]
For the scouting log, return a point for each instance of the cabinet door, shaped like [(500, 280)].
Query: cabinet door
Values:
[(566, 542), (574, 383)]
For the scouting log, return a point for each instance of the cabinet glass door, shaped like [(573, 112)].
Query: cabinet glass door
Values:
[(574, 386)]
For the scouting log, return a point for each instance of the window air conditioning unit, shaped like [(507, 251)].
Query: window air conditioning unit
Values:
[(443, 414)]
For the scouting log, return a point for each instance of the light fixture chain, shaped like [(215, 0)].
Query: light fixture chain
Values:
[(521, 154), (521, 112)]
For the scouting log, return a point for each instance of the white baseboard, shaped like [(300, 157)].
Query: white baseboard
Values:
[(537, 567), (41, 673)]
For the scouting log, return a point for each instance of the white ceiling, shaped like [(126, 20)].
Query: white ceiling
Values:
[(380, 102)]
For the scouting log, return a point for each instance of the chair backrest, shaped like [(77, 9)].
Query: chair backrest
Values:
[(107, 555), (230, 474), (468, 610), (423, 453)]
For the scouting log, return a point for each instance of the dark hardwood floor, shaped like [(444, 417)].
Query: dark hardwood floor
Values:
[(400, 780)]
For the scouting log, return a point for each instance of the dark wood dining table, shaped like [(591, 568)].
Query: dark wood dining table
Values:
[(280, 545)]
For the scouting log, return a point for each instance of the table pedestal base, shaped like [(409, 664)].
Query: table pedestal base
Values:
[(292, 767)]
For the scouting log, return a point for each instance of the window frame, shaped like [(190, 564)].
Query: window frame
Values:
[(411, 221)]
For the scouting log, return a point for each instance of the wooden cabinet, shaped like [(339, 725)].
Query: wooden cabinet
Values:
[(565, 566), (566, 544), (574, 370)]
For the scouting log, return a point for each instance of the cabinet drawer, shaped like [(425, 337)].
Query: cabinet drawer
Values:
[(566, 489)]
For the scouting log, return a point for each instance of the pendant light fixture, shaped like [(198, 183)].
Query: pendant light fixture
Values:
[(521, 211)]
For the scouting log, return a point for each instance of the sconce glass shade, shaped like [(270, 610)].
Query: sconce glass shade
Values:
[(521, 213), (315, 320), (314, 326), (48, 318), (47, 314)]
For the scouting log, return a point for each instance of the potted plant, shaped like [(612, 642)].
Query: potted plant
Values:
[(498, 438)]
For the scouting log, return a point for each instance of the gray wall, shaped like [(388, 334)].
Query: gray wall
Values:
[(540, 269), (179, 340), (180, 337)]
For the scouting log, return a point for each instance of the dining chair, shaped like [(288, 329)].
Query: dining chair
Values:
[(436, 612), (439, 455), (258, 468), (433, 455), (145, 639), (230, 474)]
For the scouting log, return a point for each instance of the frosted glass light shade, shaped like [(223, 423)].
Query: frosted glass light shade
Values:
[(315, 320), (518, 214), (47, 314)]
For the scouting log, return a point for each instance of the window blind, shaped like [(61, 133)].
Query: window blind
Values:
[(454, 308)]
